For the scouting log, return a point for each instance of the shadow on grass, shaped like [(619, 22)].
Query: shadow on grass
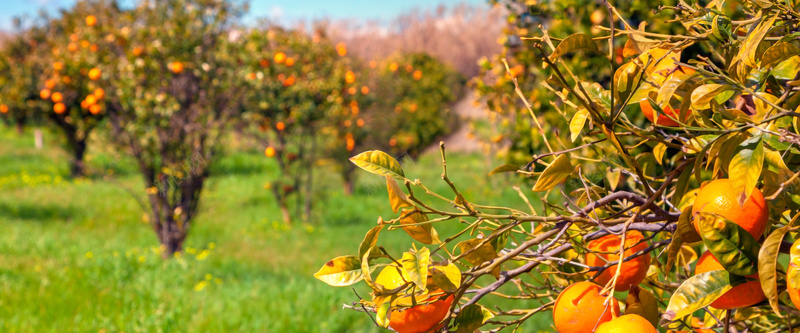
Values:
[(36, 213)]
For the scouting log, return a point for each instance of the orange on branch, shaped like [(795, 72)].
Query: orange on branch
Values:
[(94, 74), (628, 323), (280, 126), (580, 308), (341, 49), (607, 249), (697, 327), (794, 266), (365, 90), (72, 47), (269, 152), (662, 74), (289, 61), (417, 75), (3, 108), (176, 67), (91, 20), (279, 57), (59, 108), (743, 295), (289, 81), (719, 197), (99, 93), (350, 77), (421, 318), (49, 83), (44, 94), (95, 109), (58, 66), (263, 63), (91, 100), (56, 97)]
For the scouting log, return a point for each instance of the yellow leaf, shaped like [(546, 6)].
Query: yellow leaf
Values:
[(397, 198), (554, 174)]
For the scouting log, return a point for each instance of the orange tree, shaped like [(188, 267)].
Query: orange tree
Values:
[(414, 92), (73, 85), (177, 87), (22, 60), (302, 103), (510, 124), (630, 205)]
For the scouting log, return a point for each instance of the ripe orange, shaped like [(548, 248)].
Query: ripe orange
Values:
[(665, 118), (280, 126), (99, 93), (3, 108), (94, 74), (91, 20), (743, 295), (58, 66), (417, 75), (289, 61), (56, 97), (365, 90), (393, 67), (719, 197), (59, 108), (579, 308), (176, 67), (360, 122), (289, 81), (95, 109), (44, 94), (421, 318), (137, 51), (49, 83), (279, 58), (628, 323), (661, 72), (597, 16), (350, 77), (632, 272), (270, 151), (91, 100), (341, 48), (263, 63)]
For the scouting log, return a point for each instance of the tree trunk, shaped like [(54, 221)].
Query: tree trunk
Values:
[(20, 127), (78, 151), (348, 187), (171, 237), (287, 218)]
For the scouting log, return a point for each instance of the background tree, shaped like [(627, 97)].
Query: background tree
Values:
[(177, 87), (21, 64)]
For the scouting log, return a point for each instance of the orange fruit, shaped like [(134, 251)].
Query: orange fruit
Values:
[(137, 51), (597, 16), (350, 77), (579, 308), (341, 48), (58, 66), (365, 90), (279, 58), (270, 151), (91, 100), (718, 197), (95, 109), (794, 265), (56, 97), (59, 108), (280, 126), (176, 67), (360, 122), (3, 108), (743, 295), (99, 93), (393, 67), (417, 75), (669, 114), (263, 63), (421, 318), (628, 323), (632, 272), (94, 74), (289, 61), (44, 94), (91, 20), (289, 81), (49, 83)]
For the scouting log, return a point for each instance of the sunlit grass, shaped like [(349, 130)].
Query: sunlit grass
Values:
[(78, 255)]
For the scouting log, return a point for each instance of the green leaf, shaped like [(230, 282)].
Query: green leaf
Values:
[(599, 95), (370, 239), (554, 174), (750, 46), (577, 123), (669, 87), (423, 233), (745, 168), (379, 163), (642, 302), (340, 271), (787, 69), (415, 263), (777, 53), (504, 168), (733, 246), (471, 318), (625, 79), (575, 42), (702, 96), (682, 186), (382, 315), (448, 278), (768, 265), (696, 293), (397, 198)]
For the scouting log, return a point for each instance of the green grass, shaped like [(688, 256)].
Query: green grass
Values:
[(78, 256)]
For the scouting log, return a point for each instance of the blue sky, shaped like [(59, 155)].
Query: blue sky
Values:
[(286, 10)]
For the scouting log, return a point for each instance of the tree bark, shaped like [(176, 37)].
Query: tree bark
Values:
[(78, 152), (20, 127)]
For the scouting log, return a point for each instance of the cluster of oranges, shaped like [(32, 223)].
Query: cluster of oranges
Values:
[(581, 307)]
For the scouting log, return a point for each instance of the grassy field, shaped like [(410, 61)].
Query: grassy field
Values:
[(78, 255)]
